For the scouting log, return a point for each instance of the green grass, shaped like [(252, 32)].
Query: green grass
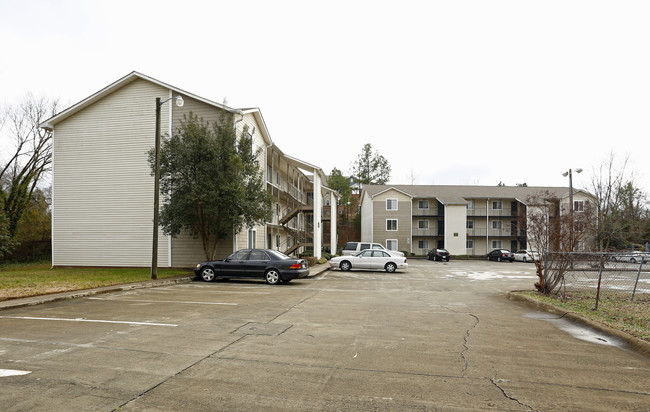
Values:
[(24, 280), (615, 310)]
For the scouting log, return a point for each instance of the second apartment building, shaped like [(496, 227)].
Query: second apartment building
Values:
[(466, 220)]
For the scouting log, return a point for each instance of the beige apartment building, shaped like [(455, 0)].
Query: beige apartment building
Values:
[(466, 220), (102, 200)]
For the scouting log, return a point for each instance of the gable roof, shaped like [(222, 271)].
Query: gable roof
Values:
[(450, 194), (134, 75)]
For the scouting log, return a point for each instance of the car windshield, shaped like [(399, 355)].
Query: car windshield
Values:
[(279, 255)]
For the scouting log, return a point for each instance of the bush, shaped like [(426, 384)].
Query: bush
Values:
[(322, 260)]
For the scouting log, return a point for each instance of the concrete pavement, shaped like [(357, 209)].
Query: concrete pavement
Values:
[(440, 336)]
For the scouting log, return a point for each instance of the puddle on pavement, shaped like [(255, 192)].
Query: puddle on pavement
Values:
[(578, 331)]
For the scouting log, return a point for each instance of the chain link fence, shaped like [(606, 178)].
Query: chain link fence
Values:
[(598, 276)]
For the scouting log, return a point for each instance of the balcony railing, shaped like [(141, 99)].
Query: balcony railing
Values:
[(425, 232), (493, 212), (482, 232), (427, 212)]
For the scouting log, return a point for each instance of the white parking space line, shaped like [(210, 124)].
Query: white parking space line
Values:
[(90, 320), (12, 372), (168, 301)]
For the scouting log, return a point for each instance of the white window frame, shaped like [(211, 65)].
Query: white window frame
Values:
[(389, 242), (470, 204), (469, 244), (497, 244), (578, 205), (389, 203), (469, 224), (497, 205), (497, 224), (396, 225), (423, 244), (423, 224), (423, 202)]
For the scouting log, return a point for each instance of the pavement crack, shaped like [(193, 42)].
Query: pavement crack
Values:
[(294, 306), (179, 372), (466, 345), (495, 382)]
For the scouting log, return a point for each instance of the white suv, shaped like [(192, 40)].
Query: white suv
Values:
[(352, 248)]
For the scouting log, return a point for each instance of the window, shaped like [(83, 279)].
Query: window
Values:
[(391, 204), (391, 224), (470, 224), (252, 234), (469, 244), (423, 224), (579, 205), (496, 224), (423, 204), (391, 244), (277, 241), (496, 244), (258, 255), (578, 226), (470, 204), (423, 244), (497, 205)]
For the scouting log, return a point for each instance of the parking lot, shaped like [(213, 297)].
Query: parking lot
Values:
[(438, 336)]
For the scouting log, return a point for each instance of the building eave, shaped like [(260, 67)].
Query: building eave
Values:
[(51, 122)]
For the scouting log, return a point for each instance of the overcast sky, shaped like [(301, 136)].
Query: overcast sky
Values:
[(453, 92)]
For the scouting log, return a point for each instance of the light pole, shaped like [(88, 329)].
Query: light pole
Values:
[(156, 186), (570, 174)]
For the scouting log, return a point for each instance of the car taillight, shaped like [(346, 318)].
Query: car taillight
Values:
[(295, 266)]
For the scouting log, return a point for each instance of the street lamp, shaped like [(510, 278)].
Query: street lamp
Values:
[(570, 174), (156, 186)]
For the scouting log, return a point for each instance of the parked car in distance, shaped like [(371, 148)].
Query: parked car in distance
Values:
[(526, 255), (352, 248), (272, 266), (438, 254), (370, 259), (501, 255), (631, 257)]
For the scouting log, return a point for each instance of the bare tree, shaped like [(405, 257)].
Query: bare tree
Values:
[(30, 157), (552, 228), (620, 204)]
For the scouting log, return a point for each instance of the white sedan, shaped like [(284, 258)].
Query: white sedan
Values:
[(526, 255), (370, 259)]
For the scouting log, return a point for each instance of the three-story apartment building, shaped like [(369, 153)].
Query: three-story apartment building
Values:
[(466, 220), (102, 197)]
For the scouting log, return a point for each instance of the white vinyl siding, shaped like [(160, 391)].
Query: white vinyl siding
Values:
[(103, 197)]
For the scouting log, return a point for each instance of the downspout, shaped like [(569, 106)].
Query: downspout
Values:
[(487, 226)]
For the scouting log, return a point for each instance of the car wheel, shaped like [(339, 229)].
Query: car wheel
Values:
[(524, 259), (345, 265), (488, 258), (633, 260), (447, 259), (207, 274), (272, 277), (390, 267), (499, 259)]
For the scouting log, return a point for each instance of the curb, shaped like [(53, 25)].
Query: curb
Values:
[(635, 344), (54, 297)]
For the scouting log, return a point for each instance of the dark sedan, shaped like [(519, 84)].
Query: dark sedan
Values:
[(501, 255), (270, 265), (438, 254)]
